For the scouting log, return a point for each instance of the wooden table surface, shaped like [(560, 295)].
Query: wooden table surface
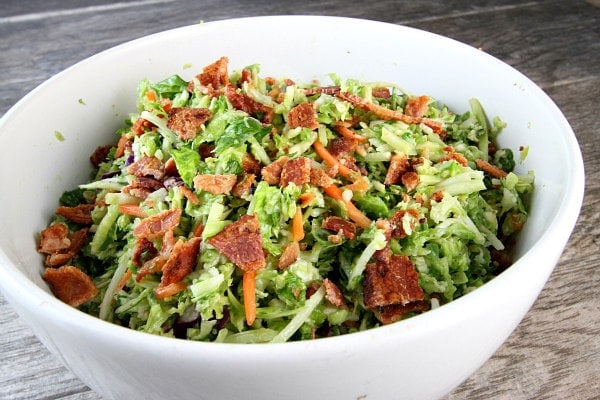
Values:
[(555, 351)]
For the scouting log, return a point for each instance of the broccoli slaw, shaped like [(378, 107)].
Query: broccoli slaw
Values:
[(247, 209)]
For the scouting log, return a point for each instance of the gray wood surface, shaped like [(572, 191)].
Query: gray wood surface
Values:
[(555, 351)]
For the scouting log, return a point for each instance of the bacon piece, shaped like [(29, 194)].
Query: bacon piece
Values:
[(342, 147), (398, 166), (189, 195), (70, 284), (416, 106), (243, 187), (333, 294), (171, 167), (157, 225), (78, 240), (80, 214), (393, 282), (340, 225), (142, 251), (241, 242), (410, 180), (215, 184), (216, 74), (250, 165), (453, 155), (147, 166), (54, 239), (381, 92), (289, 255), (272, 172), (100, 154), (296, 171), (155, 264), (187, 121), (181, 262), (381, 112), (303, 115), (319, 178), (398, 221), (332, 90), (243, 102), (141, 125), (494, 171), (395, 312)]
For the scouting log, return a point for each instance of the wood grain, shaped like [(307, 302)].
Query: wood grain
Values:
[(555, 351)]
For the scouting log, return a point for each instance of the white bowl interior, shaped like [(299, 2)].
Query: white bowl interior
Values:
[(90, 100)]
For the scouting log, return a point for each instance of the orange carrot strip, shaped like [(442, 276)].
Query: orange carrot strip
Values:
[(357, 185), (248, 288), (297, 225), (132, 209), (330, 159), (123, 280), (151, 95), (348, 133), (354, 213), (169, 290)]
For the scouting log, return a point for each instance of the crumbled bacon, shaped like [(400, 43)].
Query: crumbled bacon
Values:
[(333, 294), (410, 180), (451, 154), (100, 154), (398, 166), (189, 194), (399, 219), (289, 255), (319, 178), (141, 125), (272, 173), (70, 284), (380, 111), (243, 102), (342, 147), (340, 225), (216, 74), (494, 171), (250, 165), (157, 225), (417, 106), (171, 167), (54, 239), (381, 92), (147, 166), (303, 115), (215, 184), (243, 187), (296, 171), (241, 242), (395, 312), (181, 261), (155, 264), (187, 121), (393, 282), (80, 214), (332, 90), (78, 240), (143, 250)]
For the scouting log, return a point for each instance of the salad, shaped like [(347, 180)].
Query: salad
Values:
[(247, 209)]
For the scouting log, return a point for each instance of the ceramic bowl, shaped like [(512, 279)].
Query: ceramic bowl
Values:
[(423, 357)]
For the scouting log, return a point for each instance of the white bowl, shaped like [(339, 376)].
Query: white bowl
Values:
[(422, 357)]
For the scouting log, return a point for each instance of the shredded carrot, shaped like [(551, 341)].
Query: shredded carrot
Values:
[(169, 290), (348, 133), (305, 198), (123, 280), (330, 159), (297, 225), (357, 185), (354, 213), (151, 95), (132, 209), (198, 231), (248, 288)]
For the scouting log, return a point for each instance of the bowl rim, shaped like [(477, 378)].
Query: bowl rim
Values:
[(33, 296)]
